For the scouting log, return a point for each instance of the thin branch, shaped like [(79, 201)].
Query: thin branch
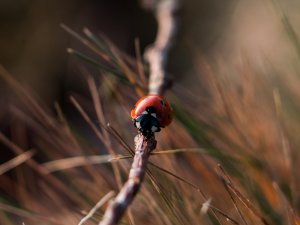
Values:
[(156, 55), (116, 209)]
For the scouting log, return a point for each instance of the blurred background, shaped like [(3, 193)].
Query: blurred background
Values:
[(235, 67), (33, 45)]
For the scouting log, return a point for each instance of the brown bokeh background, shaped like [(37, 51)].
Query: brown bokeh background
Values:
[(235, 66), (33, 44)]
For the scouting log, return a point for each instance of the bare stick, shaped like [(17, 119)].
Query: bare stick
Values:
[(143, 147), (156, 55)]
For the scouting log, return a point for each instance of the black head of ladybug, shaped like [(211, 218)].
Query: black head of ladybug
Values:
[(147, 123)]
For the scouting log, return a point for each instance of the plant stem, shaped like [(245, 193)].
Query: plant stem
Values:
[(116, 209)]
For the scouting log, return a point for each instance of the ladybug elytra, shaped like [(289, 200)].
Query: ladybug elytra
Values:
[(151, 113)]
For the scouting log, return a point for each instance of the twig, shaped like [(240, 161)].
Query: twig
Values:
[(156, 55), (143, 147)]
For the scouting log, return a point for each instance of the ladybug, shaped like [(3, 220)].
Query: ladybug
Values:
[(151, 113)]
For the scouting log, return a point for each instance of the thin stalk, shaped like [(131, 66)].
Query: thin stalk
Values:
[(116, 209)]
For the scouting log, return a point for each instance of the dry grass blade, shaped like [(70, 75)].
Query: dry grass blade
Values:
[(183, 150), (234, 202), (96, 130), (107, 140), (104, 138), (241, 197), (68, 163), (110, 70), (113, 58), (286, 146), (29, 215), (26, 97), (160, 191), (86, 117), (89, 121), (140, 66), (42, 171), (177, 177), (101, 118), (85, 42), (106, 54), (131, 76), (15, 161), (101, 202), (115, 133), (195, 187), (228, 218), (292, 218)]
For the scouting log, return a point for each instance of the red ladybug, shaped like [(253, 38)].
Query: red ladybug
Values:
[(151, 113)]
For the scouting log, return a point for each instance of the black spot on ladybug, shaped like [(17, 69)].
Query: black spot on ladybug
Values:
[(162, 103), (150, 109)]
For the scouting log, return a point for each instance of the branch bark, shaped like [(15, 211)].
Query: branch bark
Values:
[(116, 209), (156, 55)]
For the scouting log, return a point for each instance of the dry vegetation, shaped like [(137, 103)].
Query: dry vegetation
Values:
[(231, 155)]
